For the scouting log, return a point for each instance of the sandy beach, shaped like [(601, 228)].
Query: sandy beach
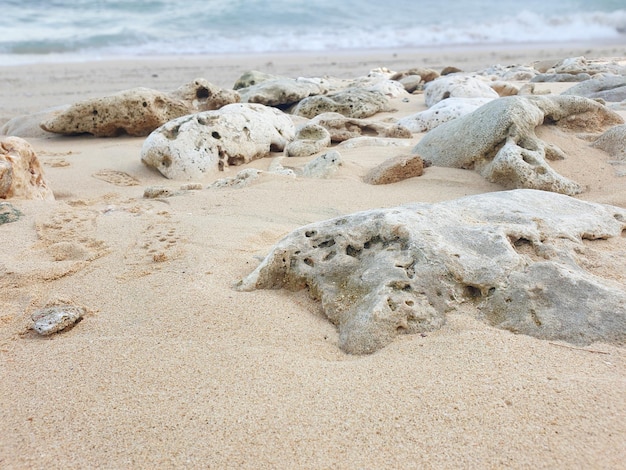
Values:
[(172, 367)]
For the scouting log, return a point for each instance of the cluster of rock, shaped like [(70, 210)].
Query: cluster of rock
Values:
[(518, 256)]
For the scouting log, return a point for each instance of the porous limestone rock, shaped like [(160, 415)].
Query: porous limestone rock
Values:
[(395, 169), (351, 102), (560, 77), (456, 86), (310, 138), (343, 128), (577, 65), (21, 174), (283, 91), (498, 139), (197, 145), (518, 257), (138, 111), (56, 318), (252, 78), (608, 87), (443, 111)]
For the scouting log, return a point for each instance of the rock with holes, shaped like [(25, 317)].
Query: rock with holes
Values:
[(456, 86), (352, 102), (283, 91), (138, 111), (517, 256), (21, 174), (343, 128), (252, 78), (578, 65), (202, 144), (443, 111), (608, 87), (498, 139), (310, 138)]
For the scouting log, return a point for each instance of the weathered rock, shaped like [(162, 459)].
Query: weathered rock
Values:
[(367, 141), (517, 256), (456, 86), (21, 174), (137, 112), (29, 125), (443, 111), (518, 73), (57, 318), (241, 179), (323, 166), (9, 213), (560, 77), (252, 78), (197, 145), (498, 139), (503, 88), (343, 128), (613, 142), (310, 138), (449, 70), (283, 91), (411, 83), (158, 192), (395, 169), (427, 75), (352, 102), (576, 65), (609, 88)]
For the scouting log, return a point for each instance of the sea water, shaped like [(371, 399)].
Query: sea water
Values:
[(35, 30)]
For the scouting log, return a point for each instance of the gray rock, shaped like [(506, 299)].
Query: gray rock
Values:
[(205, 143), (283, 91), (323, 166), (613, 142), (517, 256), (9, 213), (560, 77), (498, 139), (609, 88), (343, 128), (351, 102), (57, 318)]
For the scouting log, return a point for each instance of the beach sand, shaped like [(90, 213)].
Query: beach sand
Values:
[(173, 368)]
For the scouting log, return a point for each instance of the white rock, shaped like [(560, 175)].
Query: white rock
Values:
[(456, 86), (443, 111)]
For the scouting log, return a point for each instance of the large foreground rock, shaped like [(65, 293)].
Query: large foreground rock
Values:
[(197, 145), (518, 256), (21, 175), (138, 111), (498, 139)]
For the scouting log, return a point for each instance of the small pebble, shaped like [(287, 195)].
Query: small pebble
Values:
[(50, 320)]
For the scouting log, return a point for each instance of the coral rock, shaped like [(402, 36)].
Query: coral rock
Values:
[(343, 128), (57, 318), (351, 102), (396, 169), (21, 174), (310, 138), (456, 86)]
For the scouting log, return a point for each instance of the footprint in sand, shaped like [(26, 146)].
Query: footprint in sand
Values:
[(69, 235), (118, 178)]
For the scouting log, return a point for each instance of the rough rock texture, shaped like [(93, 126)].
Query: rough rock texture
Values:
[(609, 88), (366, 141), (9, 213), (498, 139), (310, 138), (613, 142), (518, 257), (443, 111), (395, 169), (252, 78), (577, 65), (352, 102), (137, 112), (193, 146), (343, 128), (560, 77), (323, 166), (21, 174), (56, 318), (427, 75), (28, 125), (456, 86), (283, 91)]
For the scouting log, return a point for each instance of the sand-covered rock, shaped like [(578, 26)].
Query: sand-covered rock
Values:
[(395, 169), (56, 318), (498, 139), (613, 142), (138, 111), (323, 166), (21, 174), (200, 144), (518, 256), (352, 102)]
